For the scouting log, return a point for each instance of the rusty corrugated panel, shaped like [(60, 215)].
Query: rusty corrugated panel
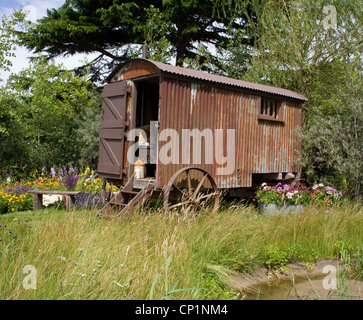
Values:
[(189, 73), (132, 69), (277, 143), (261, 146), (228, 81)]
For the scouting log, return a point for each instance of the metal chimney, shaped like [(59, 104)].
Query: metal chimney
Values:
[(144, 51)]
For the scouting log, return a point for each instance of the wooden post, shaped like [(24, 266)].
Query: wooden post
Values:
[(37, 202), (103, 192), (70, 200)]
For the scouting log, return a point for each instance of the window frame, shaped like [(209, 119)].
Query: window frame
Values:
[(276, 113)]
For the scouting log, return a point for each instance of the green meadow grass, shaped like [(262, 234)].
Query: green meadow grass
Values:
[(160, 256)]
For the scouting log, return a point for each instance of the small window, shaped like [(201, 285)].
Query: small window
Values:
[(271, 110)]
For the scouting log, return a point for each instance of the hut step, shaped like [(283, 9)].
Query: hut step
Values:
[(127, 200), (137, 201)]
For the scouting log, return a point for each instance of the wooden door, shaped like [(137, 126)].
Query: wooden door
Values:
[(112, 131)]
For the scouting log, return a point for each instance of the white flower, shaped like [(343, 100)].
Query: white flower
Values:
[(80, 249), (66, 283), (50, 199), (61, 258), (81, 274)]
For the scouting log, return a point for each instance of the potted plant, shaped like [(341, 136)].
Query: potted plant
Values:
[(285, 198)]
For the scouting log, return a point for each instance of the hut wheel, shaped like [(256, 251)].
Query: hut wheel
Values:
[(191, 190)]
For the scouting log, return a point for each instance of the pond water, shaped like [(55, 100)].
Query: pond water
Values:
[(310, 288)]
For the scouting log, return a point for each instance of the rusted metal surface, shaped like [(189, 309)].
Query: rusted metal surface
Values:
[(192, 194), (195, 100), (133, 69), (260, 146), (189, 73)]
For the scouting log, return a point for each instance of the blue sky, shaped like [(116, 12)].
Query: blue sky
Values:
[(36, 9)]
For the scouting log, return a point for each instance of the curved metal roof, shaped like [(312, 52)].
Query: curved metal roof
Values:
[(200, 75)]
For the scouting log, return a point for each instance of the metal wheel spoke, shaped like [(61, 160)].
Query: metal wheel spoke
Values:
[(207, 196), (191, 200), (178, 204), (183, 193), (189, 183), (199, 185)]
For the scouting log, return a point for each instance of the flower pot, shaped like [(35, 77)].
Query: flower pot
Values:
[(274, 209)]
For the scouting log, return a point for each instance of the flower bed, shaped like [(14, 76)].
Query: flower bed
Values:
[(285, 194), (14, 196)]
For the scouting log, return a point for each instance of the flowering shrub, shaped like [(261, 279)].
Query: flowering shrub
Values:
[(70, 181), (289, 195), (14, 196), (14, 201)]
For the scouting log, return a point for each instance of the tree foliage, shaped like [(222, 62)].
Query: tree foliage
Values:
[(8, 39), (313, 47), (110, 27), (40, 111), (335, 141)]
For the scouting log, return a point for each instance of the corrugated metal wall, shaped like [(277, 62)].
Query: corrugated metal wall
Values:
[(260, 146)]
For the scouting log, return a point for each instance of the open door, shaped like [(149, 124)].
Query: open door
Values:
[(112, 131)]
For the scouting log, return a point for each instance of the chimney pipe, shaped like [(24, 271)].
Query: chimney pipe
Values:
[(144, 51)]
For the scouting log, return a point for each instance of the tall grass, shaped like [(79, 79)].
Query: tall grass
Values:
[(154, 255)]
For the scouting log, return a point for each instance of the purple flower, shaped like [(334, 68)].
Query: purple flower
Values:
[(52, 171), (70, 182), (10, 231)]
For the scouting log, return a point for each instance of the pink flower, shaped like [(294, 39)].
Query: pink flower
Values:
[(279, 189)]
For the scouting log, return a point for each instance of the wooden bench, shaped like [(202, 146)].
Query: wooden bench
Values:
[(38, 198)]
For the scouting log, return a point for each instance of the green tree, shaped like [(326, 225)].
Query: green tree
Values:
[(312, 47), (335, 140), (8, 39), (298, 40), (109, 27), (42, 104)]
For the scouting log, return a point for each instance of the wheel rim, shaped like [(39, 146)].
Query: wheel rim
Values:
[(194, 196)]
